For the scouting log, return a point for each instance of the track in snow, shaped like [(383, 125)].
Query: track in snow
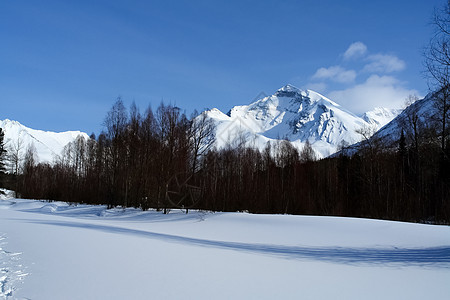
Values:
[(11, 271)]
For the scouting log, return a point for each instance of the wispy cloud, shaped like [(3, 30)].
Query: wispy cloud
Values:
[(383, 91), (383, 63), (355, 50), (335, 73)]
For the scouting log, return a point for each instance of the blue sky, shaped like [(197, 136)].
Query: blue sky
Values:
[(63, 63)]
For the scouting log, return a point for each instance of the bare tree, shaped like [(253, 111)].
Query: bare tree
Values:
[(366, 132), (308, 154), (116, 122), (202, 137), (15, 154), (437, 63), (412, 123), (30, 159), (172, 127), (286, 154), (29, 164)]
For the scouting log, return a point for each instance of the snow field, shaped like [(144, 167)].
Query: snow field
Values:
[(89, 252)]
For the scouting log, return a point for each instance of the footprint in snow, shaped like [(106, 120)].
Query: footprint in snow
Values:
[(11, 271)]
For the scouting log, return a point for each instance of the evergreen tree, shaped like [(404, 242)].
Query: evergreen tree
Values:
[(2, 150)]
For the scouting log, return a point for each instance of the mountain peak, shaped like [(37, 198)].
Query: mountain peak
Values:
[(8, 122), (296, 115), (288, 88), (288, 91)]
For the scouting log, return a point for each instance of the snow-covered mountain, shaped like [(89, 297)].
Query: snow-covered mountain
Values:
[(422, 113), (296, 115), (423, 109), (48, 144), (380, 116)]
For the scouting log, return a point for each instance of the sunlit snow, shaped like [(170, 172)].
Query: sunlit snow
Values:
[(297, 116), (53, 250)]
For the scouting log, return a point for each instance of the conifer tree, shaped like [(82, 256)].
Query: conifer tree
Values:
[(2, 149)]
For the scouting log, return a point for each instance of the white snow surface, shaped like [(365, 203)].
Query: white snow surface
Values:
[(52, 250), (380, 116), (298, 116), (48, 144)]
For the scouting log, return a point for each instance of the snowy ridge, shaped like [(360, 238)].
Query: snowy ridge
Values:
[(380, 116), (48, 144), (296, 115)]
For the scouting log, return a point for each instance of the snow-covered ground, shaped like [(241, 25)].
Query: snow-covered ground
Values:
[(57, 251)]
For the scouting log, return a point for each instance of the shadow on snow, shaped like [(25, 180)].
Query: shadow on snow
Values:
[(436, 257)]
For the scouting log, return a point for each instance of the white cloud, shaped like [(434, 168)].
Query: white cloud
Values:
[(335, 73), (376, 91), (368, 85), (355, 50), (383, 63), (319, 87)]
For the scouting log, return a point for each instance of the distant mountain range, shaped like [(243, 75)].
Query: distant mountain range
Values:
[(290, 113), (298, 116)]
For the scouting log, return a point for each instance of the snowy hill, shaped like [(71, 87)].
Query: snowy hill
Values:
[(48, 144), (295, 115)]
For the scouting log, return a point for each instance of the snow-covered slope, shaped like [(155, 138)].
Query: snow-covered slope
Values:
[(389, 135), (48, 144), (380, 116), (61, 251), (423, 109), (296, 115)]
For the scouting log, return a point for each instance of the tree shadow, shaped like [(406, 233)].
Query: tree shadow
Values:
[(433, 257)]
